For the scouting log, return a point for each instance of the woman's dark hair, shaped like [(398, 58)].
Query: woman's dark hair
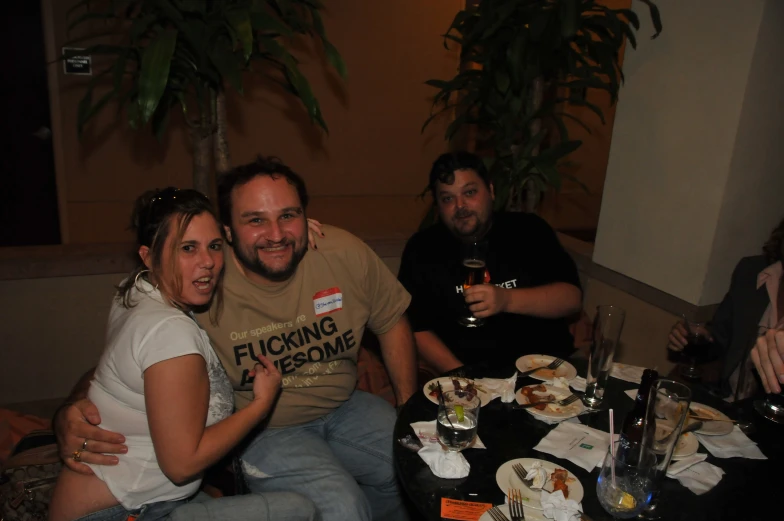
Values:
[(238, 176), (773, 248), (443, 170), (154, 214)]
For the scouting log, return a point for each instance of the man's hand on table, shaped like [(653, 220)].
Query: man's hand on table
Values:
[(77, 431), (768, 358)]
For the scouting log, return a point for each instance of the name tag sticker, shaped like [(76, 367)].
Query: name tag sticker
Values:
[(327, 301)]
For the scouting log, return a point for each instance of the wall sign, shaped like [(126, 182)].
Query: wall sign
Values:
[(81, 65)]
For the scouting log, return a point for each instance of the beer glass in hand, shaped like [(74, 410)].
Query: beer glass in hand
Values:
[(699, 345), (474, 260)]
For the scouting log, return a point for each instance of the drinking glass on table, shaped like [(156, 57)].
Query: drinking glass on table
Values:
[(699, 345), (607, 326), (625, 483), (668, 407), (458, 419), (474, 255)]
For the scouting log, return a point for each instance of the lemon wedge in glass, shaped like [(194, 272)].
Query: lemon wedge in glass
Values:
[(459, 413)]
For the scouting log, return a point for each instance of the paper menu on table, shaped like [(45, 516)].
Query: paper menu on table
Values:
[(580, 444)]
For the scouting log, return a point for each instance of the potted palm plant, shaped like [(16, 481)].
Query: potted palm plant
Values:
[(523, 64), (165, 55)]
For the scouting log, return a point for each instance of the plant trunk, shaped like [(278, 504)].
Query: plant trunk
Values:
[(201, 139), (221, 144)]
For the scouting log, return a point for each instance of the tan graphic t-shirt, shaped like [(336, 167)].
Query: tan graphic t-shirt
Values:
[(310, 326)]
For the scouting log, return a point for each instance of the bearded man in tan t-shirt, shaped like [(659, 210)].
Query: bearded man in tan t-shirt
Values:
[(306, 310)]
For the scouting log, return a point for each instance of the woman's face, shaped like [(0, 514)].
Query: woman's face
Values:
[(199, 260)]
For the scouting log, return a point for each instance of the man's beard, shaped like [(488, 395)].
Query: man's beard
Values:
[(476, 231), (250, 260)]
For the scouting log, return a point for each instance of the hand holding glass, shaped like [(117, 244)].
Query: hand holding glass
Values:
[(474, 262)]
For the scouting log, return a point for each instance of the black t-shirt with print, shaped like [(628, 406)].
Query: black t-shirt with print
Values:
[(523, 252)]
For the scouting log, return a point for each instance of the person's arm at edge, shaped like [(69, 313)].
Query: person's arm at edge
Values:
[(553, 300), (183, 445), (433, 351), (76, 420), (398, 352)]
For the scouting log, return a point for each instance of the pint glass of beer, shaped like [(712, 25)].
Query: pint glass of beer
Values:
[(474, 257)]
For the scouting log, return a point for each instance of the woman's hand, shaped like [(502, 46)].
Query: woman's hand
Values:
[(266, 382), (314, 230)]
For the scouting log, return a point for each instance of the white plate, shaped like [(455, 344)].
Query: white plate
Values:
[(528, 362), (506, 478), (447, 385), (708, 427), (530, 514), (553, 411), (687, 443)]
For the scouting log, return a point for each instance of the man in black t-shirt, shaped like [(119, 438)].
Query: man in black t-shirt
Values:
[(533, 283)]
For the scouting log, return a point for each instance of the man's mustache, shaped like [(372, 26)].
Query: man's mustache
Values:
[(462, 214)]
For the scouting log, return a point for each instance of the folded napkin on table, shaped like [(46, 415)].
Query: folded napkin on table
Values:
[(499, 388), (580, 444), (631, 393), (578, 384), (733, 445), (695, 473), (555, 506), (442, 463), (627, 373)]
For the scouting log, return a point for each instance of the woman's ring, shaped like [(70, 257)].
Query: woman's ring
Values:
[(77, 456), (84, 445)]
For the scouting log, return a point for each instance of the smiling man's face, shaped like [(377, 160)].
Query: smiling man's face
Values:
[(268, 231), (465, 205)]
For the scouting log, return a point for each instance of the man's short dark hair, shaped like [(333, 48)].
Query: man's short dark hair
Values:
[(443, 170), (238, 176)]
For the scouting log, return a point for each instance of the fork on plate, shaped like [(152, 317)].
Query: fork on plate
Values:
[(497, 514), (561, 403), (522, 473), (516, 505), (555, 364)]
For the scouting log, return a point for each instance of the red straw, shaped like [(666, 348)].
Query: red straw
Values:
[(612, 447)]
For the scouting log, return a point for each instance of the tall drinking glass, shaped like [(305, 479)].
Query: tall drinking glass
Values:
[(698, 347), (607, 326), (668, 407), (625, 482), (474, 256), (458, 419)]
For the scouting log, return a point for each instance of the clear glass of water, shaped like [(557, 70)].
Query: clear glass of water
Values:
[(458, 419), (668, 407), (629, 491), (607, 326)]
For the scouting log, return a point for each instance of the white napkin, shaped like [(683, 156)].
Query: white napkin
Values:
[(698, 477), (499, 388), (631, 393), (627, 373), (555, 506), (732, 445), (443, 463), (580, 444), (578, 384), (682, 464), (553, 421)]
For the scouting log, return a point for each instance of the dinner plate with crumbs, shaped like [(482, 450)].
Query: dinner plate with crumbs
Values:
[(710, 428), (545, 392), (528, 362), (506, 478), (449, 383)]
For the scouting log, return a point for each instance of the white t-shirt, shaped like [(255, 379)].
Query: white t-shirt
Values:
[(150, 332)]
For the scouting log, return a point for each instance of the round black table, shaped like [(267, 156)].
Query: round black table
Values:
[(512, 433)]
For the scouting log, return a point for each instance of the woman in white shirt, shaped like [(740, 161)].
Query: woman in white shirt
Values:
[(160, 383)]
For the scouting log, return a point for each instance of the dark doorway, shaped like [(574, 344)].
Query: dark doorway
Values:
[(28, 190)]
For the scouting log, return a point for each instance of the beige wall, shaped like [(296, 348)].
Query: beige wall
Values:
[(374, 161), (690, 126)]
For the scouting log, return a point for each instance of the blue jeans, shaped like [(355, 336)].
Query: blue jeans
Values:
[(279, 506), (342, 461)]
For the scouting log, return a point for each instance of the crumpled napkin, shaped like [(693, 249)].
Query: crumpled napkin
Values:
[(627, 373), (555, 506), (444, 464), (733, 445), (426, 432), (499, 388), (695, 473), (578, 383), (580, 444)]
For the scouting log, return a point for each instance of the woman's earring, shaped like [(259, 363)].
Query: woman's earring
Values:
[(136, 279)]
